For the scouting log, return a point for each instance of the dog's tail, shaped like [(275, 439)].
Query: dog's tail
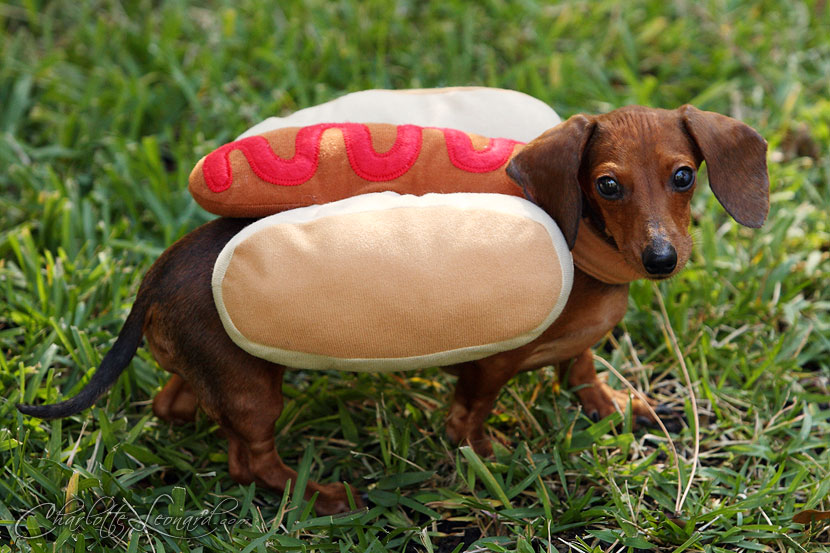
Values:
[(115, 361)]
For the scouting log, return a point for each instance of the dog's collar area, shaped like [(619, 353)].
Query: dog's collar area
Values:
[(593, 255), (595, 252)]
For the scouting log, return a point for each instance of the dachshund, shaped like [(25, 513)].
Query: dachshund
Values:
[(620, 182)]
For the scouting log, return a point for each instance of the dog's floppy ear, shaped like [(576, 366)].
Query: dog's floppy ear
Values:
[(736, 160), (547, 169)]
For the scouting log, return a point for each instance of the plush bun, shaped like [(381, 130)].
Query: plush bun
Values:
[(385, 282)]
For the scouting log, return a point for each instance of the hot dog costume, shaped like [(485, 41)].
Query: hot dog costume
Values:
[(392, 237)]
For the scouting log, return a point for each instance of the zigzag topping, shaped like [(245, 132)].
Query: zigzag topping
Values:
[(363, 159)]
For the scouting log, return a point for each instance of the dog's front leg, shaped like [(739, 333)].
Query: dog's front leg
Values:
[(598, 398), (476, 391)]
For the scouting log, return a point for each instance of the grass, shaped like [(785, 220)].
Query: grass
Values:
[(105, 107)]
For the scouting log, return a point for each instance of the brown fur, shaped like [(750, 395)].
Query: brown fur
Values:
[(640, 147)]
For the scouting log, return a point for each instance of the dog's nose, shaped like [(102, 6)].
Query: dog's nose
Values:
[(659, 258)]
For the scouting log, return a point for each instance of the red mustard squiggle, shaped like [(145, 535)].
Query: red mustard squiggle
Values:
[(364, 160), (464, 156)]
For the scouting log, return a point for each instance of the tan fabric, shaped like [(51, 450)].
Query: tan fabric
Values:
[(406, 287)]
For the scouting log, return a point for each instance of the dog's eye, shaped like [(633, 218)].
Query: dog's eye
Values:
[(683, 178), (609, 188)]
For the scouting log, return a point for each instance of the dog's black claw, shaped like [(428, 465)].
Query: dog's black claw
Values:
[(673, 425), (594, 416), (643, 421), (663, 409)]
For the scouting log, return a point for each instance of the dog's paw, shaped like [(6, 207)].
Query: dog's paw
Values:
[(464, 429), (333, 499), (600, 400), (672, 419)]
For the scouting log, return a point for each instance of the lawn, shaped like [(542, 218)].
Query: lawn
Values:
[(106, 106)]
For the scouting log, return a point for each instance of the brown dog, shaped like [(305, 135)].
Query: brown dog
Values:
[(623, 179)]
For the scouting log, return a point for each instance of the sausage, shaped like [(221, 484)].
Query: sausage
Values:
[(295, 167)]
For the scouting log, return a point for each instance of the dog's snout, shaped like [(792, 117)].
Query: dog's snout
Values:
[(660, 258)]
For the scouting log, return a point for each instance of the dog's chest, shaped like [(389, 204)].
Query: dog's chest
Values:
[(593, 309)]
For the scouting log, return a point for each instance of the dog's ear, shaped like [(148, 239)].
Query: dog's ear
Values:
[(736, 160), (547, 169)]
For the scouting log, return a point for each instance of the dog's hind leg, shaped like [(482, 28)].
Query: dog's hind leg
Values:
[(176, 402), (251, 402), (242, 393), (476, 391)]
